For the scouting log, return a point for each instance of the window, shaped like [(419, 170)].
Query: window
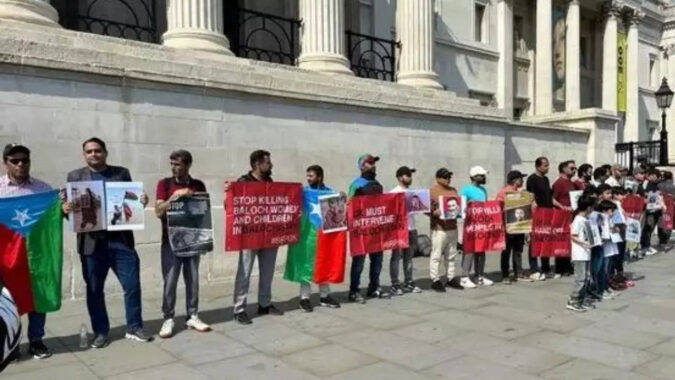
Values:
[(366, 17), (519, 44), (480, 34), (583, 56), (653, 76)]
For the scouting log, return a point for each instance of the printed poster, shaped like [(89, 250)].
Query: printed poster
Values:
[(418, 201), (124, 210), (88, 199), (450, 207), (484, 227), (518, 212), (667, 216), (654, 201), (189, 225), (574, 198), (633, 230), (262, 215), (551, 233), (377, 223), (333, 212)]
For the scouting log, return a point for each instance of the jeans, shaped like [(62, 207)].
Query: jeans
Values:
[(171, 270), (125, 263), (266, 262), (407, 255), (617, 260), (580, 280), (513, 252), (477, 259), (36, 326), (603, 275), (545, 264), (651, 220), (597, 258), (443, 254), (563, 265), (374, 275)]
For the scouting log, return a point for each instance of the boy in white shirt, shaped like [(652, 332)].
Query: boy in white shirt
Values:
[(581, 254)]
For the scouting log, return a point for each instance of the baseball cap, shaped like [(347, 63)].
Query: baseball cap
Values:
[(443, 173), (477, 170), (367, 158), (11, 149), (404, 170), (513, 175)]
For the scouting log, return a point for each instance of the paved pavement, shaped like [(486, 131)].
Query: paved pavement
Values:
[(520, 331)]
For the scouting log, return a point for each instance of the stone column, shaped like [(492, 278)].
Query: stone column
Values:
[(38, 12), (416, 31), (505, 64), (323, 36), (544, 68), (631, 130), (609, 57), (196, 25), (573, 58)]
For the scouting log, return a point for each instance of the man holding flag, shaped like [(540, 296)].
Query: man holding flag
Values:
[(18, 182), (318, 257)]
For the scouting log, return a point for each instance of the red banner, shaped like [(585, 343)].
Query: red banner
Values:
[(667, 217), (633, 206), (262, 215), (551, 233), (484, 227), (377, 223)]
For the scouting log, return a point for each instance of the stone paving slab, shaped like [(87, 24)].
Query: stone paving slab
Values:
[(578, 369)]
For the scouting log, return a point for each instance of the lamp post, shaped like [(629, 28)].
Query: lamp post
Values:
[(664, 97)]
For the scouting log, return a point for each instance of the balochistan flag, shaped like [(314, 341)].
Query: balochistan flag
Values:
[(31, 250), (316, 257)]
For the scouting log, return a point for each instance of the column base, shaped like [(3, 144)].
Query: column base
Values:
[(420, 79), (325, 63), (29, 11), (197, 40)]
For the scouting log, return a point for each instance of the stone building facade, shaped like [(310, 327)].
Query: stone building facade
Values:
[(422, 83)]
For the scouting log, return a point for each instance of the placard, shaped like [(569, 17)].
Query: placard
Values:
[(551, 236), (667, 216), (262, 215), (654, 201), (450, 207), (124, 210), (633, 230), (333, 212), (574, 198), (377, 223), (518, 212), (88, 200), (484, 227), (189, 225), (418, 201)]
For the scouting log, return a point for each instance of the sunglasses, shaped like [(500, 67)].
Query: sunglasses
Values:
[(16, 161)]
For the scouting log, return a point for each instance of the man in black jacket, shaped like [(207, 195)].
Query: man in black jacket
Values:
[(101, 251)]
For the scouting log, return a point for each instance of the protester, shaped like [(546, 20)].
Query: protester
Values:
[(514, 242), (600, 175), (617, 278), (404, 177), (596, 291), (10, 328), (366, 184), (585, 175), (616, 178), (475, 192), (101, 251), (666, 186), (17, 182), (609, 249), (653, 214), (170, 189), (261, 171), (315, 181), (444, 236), (581, 251), (561, 193)]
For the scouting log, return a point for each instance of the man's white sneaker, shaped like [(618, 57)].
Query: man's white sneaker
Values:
[(651, 251), (467, 283), (484, 281), (537, 276), (167, 329), (195, 323)]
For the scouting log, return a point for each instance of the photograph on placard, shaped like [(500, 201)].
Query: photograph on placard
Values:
[(418, 201), (189, 225), (124, 209), (633, 230), (518, 212), (88, 200), (654, 201), (450, 207), (333, 212)]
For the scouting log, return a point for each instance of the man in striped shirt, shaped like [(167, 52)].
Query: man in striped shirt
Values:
[(18, 182), (10, 328)]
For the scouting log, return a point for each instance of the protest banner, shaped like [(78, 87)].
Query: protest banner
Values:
[(377, 223), (551, 233), (518, 212), (262, 215), (189, 225), (633, 206), (484, 227), (667, 217), (450, 207)]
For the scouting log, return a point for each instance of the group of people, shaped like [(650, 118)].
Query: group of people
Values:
[(102, 251)]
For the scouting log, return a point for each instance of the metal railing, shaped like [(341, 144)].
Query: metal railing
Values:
[(372, 57), (642, 153), (129, 19), (262, 36)]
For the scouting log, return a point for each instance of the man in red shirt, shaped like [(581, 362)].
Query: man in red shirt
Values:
[(561, 193), (170, 189)]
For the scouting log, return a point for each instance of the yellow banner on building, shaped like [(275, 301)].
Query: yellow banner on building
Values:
[(621, 57)]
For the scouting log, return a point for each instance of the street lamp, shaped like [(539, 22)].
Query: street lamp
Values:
[(664, 97)]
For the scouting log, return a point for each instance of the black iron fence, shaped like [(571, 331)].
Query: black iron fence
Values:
[(372, 57), (643, 153), (129, 19), (262, 36)]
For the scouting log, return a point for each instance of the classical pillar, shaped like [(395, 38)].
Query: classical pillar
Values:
[(38, 12), (544, 68), (416, 31), (609, 58), (196, 25), (323, 36), (573, 58), (631, 130), (505, 64)]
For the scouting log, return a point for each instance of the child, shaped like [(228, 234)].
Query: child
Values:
[(581, 254), (606, 209), (617, 279)]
